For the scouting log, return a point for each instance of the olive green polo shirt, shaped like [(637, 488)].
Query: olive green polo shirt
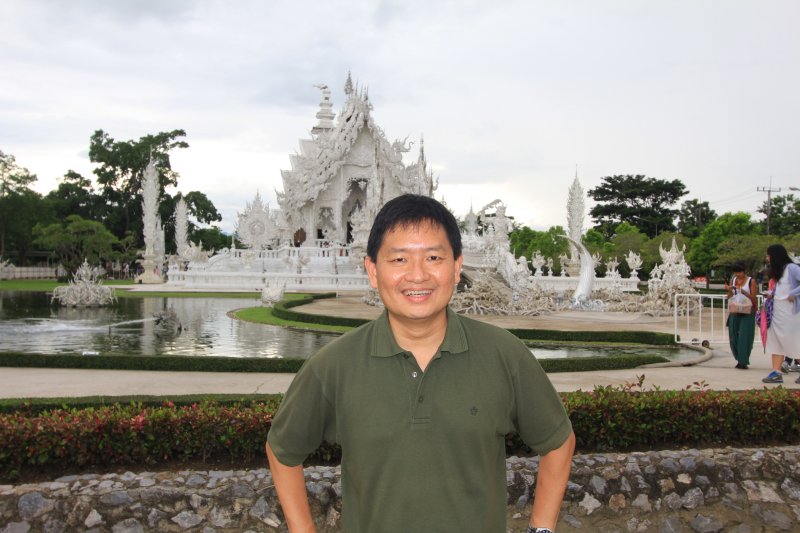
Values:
[(421, 451)]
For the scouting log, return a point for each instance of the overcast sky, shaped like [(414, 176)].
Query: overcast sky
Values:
[(509, 95)]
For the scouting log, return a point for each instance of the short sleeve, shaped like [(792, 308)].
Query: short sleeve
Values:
[(540, 417), (303, 416)]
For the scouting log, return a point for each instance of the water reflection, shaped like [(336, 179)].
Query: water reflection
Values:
[(28, 323)]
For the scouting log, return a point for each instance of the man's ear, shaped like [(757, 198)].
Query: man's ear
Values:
[(457, 273), (372, 272)]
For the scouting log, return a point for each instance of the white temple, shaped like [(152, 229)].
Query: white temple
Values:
[(316, 240)]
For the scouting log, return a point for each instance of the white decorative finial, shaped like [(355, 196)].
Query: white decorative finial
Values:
[(325, 113), (348, 85)]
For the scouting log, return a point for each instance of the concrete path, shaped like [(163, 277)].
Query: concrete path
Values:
[(716, 373)]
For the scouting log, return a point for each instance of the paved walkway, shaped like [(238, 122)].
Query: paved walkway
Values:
[(715, 373)]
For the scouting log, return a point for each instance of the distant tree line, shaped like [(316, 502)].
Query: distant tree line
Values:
[(99, 220), (642, 214)]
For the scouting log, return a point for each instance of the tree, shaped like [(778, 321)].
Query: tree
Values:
[(641, 201), (75, 196), (121, 169), (18, 204), (213, 239), (76, 240), (627, 238), (703, 250), (198, 206), (784, 217), (551, 243), (749, 249), (693, 217)]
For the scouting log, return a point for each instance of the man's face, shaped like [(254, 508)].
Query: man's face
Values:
[(415, 271)]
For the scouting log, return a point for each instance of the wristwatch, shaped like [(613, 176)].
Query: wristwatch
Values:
[(532, 529)]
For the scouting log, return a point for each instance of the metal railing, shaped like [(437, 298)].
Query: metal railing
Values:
[(700, 318)]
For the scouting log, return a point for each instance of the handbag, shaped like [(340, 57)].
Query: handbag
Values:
[(740, 304)]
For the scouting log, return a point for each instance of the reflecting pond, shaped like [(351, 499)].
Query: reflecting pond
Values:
[(29, 323)]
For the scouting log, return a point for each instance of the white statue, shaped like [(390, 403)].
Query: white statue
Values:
[(85, 289), (611, 268), (634, 262), (537, 262)]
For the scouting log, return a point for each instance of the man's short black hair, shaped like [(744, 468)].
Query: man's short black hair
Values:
[(738, 266), (410, 210)]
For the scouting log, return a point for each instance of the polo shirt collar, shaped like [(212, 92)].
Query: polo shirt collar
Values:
[(385, 345)]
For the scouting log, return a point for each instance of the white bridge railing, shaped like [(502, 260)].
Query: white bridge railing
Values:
[(700, 318)]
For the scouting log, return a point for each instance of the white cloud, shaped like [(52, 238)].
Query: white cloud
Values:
[(509, 95)]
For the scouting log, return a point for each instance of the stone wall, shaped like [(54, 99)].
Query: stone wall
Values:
[(732, 490)]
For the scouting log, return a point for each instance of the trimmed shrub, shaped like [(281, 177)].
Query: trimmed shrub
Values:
[(606, 419), (177, 363)]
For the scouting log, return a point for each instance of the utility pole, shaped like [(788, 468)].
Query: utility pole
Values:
[(769, 190)]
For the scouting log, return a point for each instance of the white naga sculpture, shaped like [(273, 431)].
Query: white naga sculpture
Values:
[(583, 291), (85, 289)]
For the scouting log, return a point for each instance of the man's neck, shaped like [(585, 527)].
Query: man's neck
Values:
[(422, 338)]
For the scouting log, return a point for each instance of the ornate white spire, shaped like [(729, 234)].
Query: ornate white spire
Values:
[(150, 207), (575, 209), (348, 85), (181, 227), (325, 113)]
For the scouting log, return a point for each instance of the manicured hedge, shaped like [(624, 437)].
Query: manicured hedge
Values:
[(179, 363), (636, 337), (183, 363), (283, 309), (593, 364), (606, 419)]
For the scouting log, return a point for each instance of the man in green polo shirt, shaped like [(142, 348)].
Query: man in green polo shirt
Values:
[(420, 400)]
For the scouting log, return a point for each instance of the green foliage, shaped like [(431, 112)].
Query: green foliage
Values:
[(136, 435), (594, 364), (784, 216), (704, 248), (76, 240), (212, 238), (643, 202), (20, 208), (75, 196), (617, 419), (120, 173), (551, 243), (14, 179), (284, 310), (693, 217), (178, 363), (133, 434), (628, 337), (748, 248)]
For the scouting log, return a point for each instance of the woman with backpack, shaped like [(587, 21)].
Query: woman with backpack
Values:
[(742, 294)]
